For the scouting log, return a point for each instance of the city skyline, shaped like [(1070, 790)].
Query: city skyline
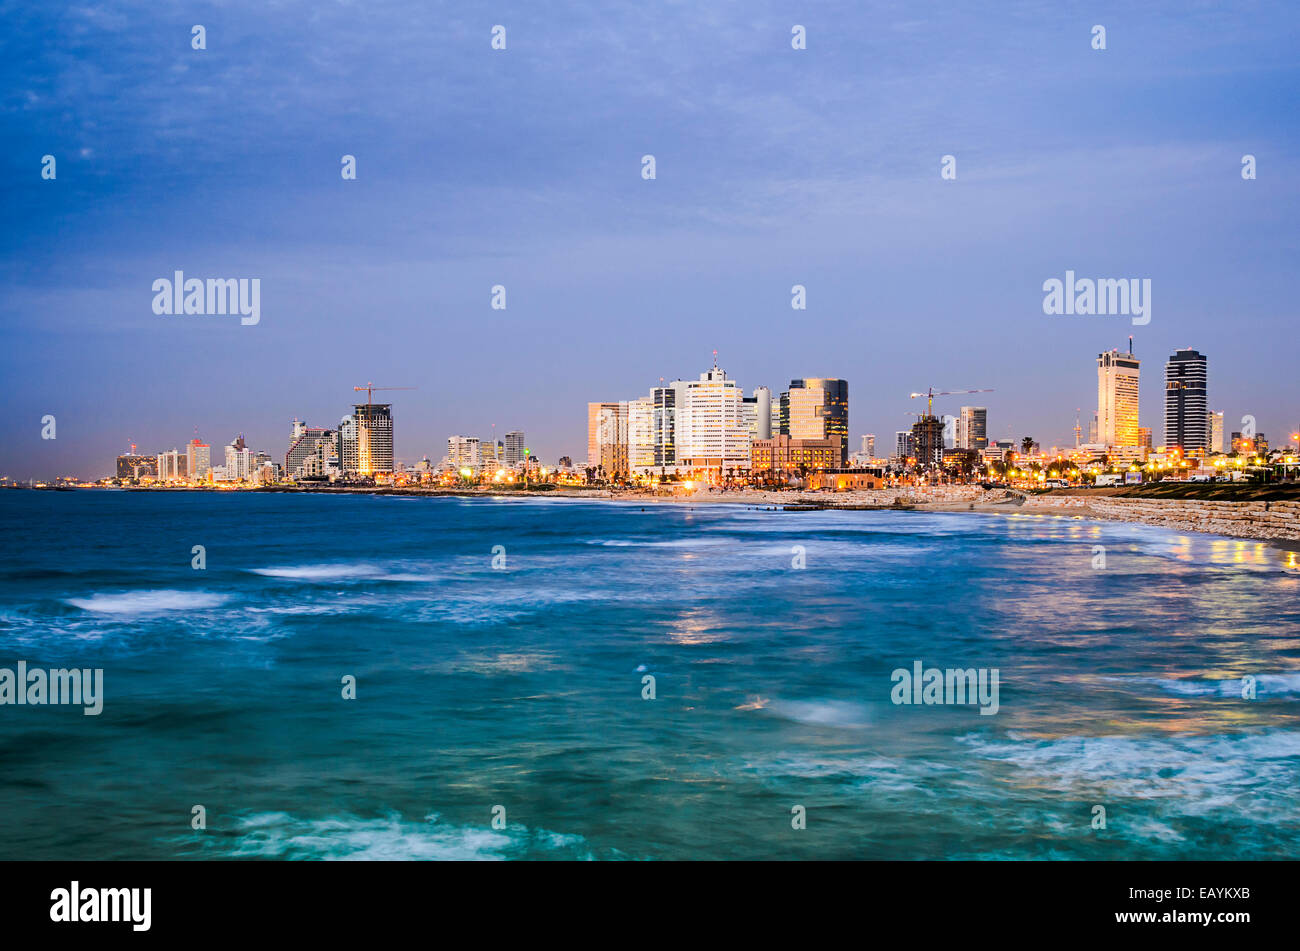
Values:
[(509, 447), (911, 279), (638, 431)]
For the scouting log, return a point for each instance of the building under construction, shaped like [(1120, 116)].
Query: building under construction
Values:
[(927, 442)]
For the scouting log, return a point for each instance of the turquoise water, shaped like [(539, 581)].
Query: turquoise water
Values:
[(522, 687)]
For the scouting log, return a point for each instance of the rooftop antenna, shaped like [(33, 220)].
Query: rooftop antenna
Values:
[(715, 359), (1130, 345)]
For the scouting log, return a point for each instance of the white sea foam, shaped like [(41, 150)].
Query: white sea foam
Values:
[(1197, 770), (836, 713), (148, 602), (284, 836), (337, 572), (1266, 685)]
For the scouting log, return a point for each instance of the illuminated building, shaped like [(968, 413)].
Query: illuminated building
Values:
[(607, 437), (787, 455), (306, 443), (972, 428), (171, 466), (1117, 398), (902, 445), (710, 430), (132, 466), (198, 459), (758, 413), (514, 447), (239, 461), (816, 408), (641, 434), (1185, 392), (365, 440), (1214, 423), (463, 452), (927, 442)]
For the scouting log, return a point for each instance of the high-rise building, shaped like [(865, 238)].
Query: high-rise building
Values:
[(710, 430), (514, 447), (902, 445), (595, 436), (373, 428), (641, 434), (1214, 422), (607, 438), (758, 413), (239, 460), (346, 439), (972, 428), (817, 408), (172, 466), (1185, 391), (463, 452), (198, 459), (491, 453), (927, 442), (1144, 437), (304, 443), (869, 445), (1117, 398), (666, 399)]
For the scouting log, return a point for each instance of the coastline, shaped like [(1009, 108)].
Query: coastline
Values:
[(1273, 520)]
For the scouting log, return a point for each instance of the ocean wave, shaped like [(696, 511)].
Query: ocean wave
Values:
[(1199, 770), (336, 572), (1266, 685), (279, 835), (148, 602)]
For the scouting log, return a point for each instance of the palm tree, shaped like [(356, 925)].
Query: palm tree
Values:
[(1026, 445)]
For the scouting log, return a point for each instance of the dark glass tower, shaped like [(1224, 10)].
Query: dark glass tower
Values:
[(1186, 425)]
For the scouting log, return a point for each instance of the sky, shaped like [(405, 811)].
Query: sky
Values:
[(522, 168)]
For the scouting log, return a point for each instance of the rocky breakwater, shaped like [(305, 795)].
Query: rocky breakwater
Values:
[(1274, 520)]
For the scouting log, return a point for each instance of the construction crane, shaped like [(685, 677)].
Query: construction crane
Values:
[(930, 394), (370, 389)]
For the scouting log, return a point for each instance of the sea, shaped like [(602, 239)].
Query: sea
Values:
[(329, 676)]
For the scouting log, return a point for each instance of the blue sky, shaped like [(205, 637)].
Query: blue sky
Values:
[(522, 168)]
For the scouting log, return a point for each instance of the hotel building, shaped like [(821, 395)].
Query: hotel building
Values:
[(198, 459), (710, 424), (304, 445), (1117, 399), (817, 408), (171, 466), (787, 455)]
